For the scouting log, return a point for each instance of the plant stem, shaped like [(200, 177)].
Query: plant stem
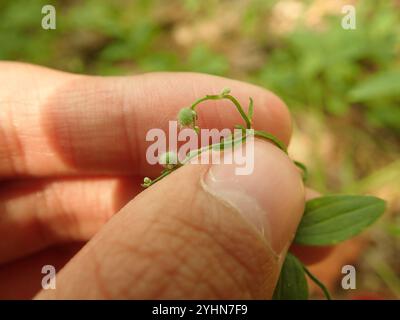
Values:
[(272, 138), (303, 168), (194, 153), (220, 145), (225, 96), (318, 283), (164, 174)]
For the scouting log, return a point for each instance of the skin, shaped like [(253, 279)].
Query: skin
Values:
[(71, 163)]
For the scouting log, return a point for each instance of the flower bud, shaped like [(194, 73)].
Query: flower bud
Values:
[(146, 182), (186, 117), (226, 91)]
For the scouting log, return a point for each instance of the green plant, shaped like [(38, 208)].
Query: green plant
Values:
[(339, 72), (326, 220)]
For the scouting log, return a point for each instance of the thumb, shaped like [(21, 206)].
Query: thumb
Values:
[(201, 233)]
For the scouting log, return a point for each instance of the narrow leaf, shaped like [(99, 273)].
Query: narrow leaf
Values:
[(292, 283), (382, 85), (332, 219)]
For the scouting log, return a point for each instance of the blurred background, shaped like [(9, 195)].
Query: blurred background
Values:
[(342, 86)]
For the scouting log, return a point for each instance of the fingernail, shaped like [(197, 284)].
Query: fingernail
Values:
[(270, 198)]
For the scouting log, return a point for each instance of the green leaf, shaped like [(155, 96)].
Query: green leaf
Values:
[(332, 219), (382, 85), (292, 283)]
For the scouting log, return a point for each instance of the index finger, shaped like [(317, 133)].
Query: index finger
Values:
[(97, 125)]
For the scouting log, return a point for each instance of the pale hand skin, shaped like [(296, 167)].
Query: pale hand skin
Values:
[(72, 155)]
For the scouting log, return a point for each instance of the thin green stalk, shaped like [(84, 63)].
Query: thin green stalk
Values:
[(318, 283), (303, 168), (228, 97), (220, 145), (272, 138), (164, 174), (195, 153)]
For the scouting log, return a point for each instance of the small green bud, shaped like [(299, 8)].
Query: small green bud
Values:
[(146, 182), (186, 117), (225, 91), (168, 160)]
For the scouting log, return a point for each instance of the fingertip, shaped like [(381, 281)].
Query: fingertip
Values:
[(276, 117)]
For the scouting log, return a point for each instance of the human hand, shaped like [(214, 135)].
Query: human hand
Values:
[(72, 154)]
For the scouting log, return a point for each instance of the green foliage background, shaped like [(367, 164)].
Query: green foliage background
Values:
[(343, 86), (331, 70)]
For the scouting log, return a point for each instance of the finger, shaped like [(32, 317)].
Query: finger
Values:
[(35, 214), (98, 125), (22, 279), (311, 254), (198, 234)]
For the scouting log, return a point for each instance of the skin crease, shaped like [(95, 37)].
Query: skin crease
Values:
[(71, 156)]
